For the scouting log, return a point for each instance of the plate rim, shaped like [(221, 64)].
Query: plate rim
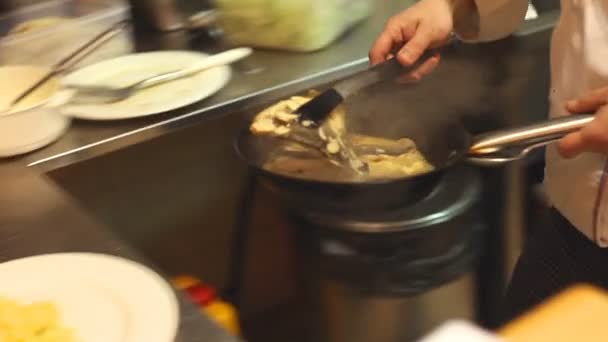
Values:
[(225, 77), (151, 274)]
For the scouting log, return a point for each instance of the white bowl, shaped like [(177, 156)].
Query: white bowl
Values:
[(34, 122)]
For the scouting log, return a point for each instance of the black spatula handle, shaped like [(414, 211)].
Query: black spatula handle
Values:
[(385, 71)]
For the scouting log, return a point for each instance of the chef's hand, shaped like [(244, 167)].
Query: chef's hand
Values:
[(594, 136), (408, 34)]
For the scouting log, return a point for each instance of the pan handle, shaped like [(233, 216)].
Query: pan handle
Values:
[(508, 155), (499, 147)]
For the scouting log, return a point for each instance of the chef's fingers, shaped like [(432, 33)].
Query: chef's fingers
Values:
[(576, 143), (389, 40), (590, 102), (571, 145), (381, 48), (425, 68), (591, 138), (414, 47)]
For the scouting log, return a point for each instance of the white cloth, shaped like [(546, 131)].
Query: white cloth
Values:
[(578, 188), (460, 331)]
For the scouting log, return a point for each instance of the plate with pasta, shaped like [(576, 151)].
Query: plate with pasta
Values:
[(84, 297)]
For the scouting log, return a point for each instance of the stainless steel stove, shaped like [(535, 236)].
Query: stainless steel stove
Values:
[(388, 275)]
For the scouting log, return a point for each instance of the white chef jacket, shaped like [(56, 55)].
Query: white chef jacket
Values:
[(578, 188)]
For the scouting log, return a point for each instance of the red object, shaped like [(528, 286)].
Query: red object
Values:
[(201, 295)]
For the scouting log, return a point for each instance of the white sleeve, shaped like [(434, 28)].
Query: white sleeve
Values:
[(496, 19)]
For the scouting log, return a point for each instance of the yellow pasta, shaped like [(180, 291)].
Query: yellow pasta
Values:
[(34, 322)]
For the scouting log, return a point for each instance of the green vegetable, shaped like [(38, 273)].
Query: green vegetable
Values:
[(300, 25)]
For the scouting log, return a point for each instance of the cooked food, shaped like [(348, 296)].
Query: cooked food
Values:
[(37, 25), (302, 162), (386, 166), (281, 120), (34, 322), (385, 158), (278, 119)]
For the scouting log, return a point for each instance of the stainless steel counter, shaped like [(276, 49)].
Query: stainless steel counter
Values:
[(280, 70)]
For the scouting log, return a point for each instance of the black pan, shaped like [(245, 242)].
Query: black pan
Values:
[(443, 144), (441, 151)]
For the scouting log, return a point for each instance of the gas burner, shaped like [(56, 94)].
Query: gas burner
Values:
[(399, 252), (456, 191), (400, 275)]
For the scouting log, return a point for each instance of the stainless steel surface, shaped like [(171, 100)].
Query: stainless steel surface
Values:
[(437, 208), (356, 318), (111, 94), (507, 155), (549, 129), (38, 218), (162, 15), (385, 279), (499, 147), (75, 57)]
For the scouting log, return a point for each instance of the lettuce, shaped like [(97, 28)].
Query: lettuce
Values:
[(299, 25)]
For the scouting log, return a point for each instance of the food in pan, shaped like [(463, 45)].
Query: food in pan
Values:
[(388, 158), (280, 120), (407, 164), (34, 322), (298, 160), (385, 158)]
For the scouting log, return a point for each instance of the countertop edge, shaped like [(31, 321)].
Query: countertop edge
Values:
[(194, 117)]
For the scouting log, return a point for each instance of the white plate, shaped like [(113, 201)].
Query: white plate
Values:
[(126, 70), (101, 298), (51, 138)]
